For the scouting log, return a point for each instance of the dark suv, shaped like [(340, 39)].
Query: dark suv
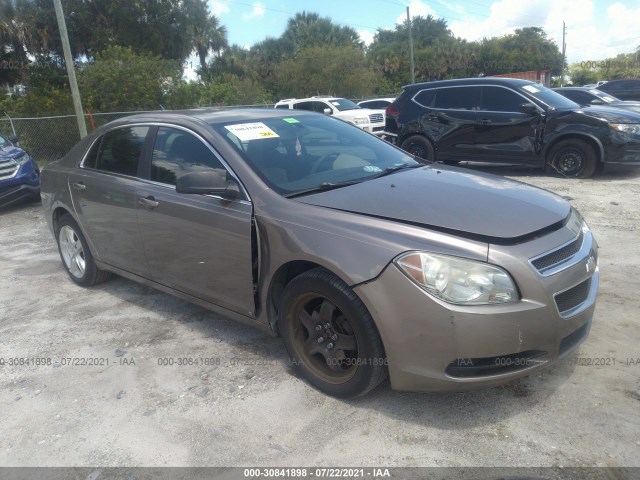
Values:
[(628, 89), (504, 120)]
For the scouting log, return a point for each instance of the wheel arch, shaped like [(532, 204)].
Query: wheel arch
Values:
[(590, 139)]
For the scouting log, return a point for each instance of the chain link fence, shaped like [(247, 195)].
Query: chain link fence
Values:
[(49, 138)]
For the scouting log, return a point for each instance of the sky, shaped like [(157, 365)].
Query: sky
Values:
[(596, 29)]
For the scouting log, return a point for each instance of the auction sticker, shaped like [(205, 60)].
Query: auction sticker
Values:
[(251, 131), (531, 88)]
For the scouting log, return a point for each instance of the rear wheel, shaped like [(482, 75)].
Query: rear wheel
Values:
[(573, 159), (330, 336), (75, 254), (420, 147)]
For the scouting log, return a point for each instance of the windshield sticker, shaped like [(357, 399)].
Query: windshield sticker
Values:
[(290, 120), (371, 168), (531, 89), (251, 131), (337, 104)]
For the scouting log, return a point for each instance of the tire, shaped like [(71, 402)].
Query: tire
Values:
[(349, 361), (420, 147), (75, 254), (573, 159)]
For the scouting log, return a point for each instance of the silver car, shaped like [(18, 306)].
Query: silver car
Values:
[(366, 262)]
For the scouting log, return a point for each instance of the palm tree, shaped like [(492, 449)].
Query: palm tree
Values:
[(208, 36)]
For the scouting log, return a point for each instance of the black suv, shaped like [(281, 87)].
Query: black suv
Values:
[(504, 120), (628, 89)]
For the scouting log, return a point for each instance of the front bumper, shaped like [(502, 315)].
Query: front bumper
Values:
[(434, 346), (25, 184)]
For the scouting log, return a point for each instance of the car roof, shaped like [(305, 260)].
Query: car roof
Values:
[(510, 82), (211, 116)]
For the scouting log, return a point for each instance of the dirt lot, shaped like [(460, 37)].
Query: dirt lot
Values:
[(246, 407)]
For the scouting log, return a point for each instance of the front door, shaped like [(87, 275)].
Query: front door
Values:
[(503, 132), (197, 244)]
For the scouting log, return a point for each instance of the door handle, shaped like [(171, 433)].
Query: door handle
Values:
[(485, 121), (148, 202), (79, 185)]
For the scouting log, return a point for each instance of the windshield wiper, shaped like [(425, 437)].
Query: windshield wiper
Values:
[(323, 187), (393, 169)]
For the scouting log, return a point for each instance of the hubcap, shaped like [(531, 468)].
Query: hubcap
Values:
[(72, 251), (570, 162), (323, 338), (418, 150)]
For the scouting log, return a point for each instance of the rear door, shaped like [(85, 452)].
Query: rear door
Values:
[(449, 119), (103, 194), (503, 133), (197, 244)]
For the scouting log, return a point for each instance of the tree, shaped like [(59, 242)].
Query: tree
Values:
[(14, 35), (341, 71), (121, 80), (206, 33)]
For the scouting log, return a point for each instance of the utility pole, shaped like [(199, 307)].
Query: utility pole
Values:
[(68, 60), (564, 53), (413, 72)]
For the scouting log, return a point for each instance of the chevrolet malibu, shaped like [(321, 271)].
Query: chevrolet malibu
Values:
[(366, 262)]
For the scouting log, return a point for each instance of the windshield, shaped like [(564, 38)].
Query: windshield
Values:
[(343, 104), (548, 97), (301, 153), (604, 96)]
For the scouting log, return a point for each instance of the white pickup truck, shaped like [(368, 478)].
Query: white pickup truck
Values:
[(369, 120)]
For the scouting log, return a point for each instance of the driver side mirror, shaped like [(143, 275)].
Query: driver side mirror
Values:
[(327, 111), (528, 108), (208, 183), (596, 101)]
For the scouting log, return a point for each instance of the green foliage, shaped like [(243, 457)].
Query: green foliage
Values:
[(624, 65), (340, 71), (120, 80)]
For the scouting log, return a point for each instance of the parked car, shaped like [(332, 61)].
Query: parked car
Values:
[(505, 120), (368, 120), (586, 97), (19, 174), (628, 89), (376, 103), (365, 261)]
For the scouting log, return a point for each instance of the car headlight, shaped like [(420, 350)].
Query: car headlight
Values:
[(360, 120), (458, 281), (633, 128), (22, 158)]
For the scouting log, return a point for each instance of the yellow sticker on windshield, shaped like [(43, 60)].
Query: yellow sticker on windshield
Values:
[(251, 131)]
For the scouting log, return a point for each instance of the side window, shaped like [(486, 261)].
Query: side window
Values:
[(458, 98), (320, 107), (121, 149), (284, 106), (92, 156), (303, 106), (425, 98), (176, 152), (497, 99)]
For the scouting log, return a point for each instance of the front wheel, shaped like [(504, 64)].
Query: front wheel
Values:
[(573, 159), (420, 147), (75, 254), (330, 336)]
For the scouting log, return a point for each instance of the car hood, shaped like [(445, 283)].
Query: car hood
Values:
[(481, 206), (10, 151), (611, 115)]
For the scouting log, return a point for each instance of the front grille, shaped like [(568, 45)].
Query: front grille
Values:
[(486, 366), (376, 118), (8, 168), (573, 338), (558, 256), (570, 299)]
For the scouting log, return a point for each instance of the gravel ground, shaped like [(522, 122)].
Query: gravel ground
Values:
[(245, 407)]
